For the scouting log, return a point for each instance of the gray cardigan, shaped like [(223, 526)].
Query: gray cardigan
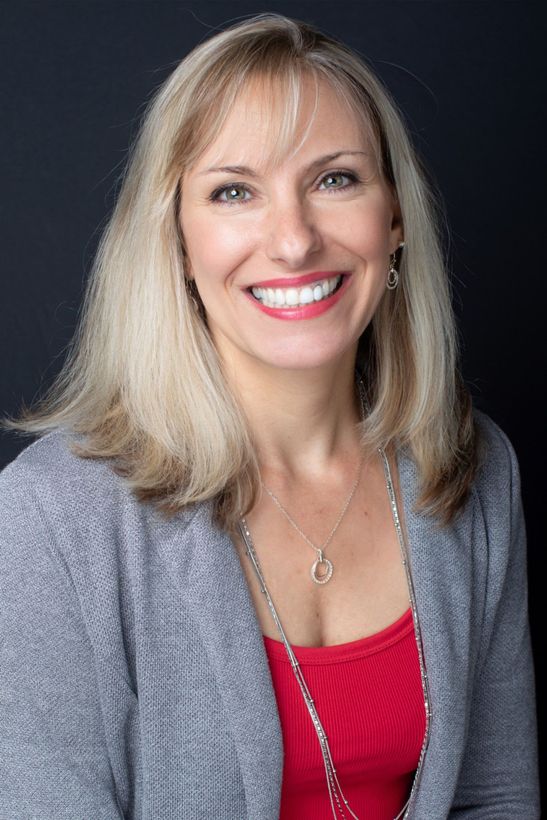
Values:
[(133, 677)]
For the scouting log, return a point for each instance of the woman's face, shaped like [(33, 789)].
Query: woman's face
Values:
[(290, 261)]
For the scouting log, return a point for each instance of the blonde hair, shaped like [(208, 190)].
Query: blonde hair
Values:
[(142, 381)]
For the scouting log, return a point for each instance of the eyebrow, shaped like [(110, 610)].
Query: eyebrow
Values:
[(244, 170)]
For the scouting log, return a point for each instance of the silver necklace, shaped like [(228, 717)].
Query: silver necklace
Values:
[(338, 802), (322, 568)]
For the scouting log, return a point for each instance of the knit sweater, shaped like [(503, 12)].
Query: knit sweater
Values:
[(134, 681)]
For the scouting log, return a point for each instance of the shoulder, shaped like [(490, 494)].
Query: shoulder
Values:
[(51, 489), (57, 510), (71, 529), (495, 448), (498, 477), (490, 524), (48, 473), (50, 457), (495, 507)]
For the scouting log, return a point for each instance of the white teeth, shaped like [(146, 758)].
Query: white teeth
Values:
[(291, 297)]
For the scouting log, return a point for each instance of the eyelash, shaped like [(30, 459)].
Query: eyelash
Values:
[(214, 196)]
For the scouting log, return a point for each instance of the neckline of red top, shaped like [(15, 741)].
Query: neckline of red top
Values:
[(335, 653)]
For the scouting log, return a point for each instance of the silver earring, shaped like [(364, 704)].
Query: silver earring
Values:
[(393, 275)]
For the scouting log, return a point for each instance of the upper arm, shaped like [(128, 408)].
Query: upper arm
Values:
[(54, 761), (499, 773)]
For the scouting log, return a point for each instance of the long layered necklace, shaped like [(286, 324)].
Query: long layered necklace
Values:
[(339, 804)]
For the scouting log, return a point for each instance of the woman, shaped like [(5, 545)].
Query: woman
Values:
[(260, 452)]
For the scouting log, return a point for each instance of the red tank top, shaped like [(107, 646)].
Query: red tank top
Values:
[(369, 697)]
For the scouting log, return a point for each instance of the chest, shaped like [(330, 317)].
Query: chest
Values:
[(368, 589), (371, 706)]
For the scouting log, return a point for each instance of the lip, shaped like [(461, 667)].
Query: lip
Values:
[(296, 281), (303, 311)]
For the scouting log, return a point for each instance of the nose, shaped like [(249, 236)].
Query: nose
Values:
[(292, 233)]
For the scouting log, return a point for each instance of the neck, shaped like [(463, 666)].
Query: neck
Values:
[(302, 421)]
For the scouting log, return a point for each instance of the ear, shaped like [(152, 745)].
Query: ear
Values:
[(185, 258), (397, 232), (187, 267)]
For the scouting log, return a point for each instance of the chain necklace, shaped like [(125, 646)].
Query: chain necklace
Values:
[(321, 569), (339, 803)]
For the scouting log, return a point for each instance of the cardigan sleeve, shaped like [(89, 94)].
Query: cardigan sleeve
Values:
[(499, 774), (54, 762)]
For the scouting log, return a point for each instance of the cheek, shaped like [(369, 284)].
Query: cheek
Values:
[(215, 249), (368, 233), (362, 227)]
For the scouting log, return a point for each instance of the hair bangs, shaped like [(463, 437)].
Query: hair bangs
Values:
[(278, 98)]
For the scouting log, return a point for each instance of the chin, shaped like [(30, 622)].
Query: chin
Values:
[(304, 359)]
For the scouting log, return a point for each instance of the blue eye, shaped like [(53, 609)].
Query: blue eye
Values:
[(338, 174), (234, 187), (229, 189)]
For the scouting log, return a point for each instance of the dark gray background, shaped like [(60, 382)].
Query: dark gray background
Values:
[(470, 78)]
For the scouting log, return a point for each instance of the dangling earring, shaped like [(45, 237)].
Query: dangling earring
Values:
[(393, 275)]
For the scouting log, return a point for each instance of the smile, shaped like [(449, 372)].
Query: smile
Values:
[(312, 299), (291, 297)]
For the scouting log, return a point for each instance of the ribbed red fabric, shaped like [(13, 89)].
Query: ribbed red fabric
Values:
[(369, 697)]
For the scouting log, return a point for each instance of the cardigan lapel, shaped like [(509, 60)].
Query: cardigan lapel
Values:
[(441, 564), (208, 569)]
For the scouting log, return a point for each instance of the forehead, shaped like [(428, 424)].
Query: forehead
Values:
[(269, 124)]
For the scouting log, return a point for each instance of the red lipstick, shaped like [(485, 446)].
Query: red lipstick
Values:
[(310, 311)]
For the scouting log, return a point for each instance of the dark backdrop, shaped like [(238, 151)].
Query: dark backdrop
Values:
[(470, 79)]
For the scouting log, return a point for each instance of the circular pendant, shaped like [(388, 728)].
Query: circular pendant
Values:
[(325, 570)]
